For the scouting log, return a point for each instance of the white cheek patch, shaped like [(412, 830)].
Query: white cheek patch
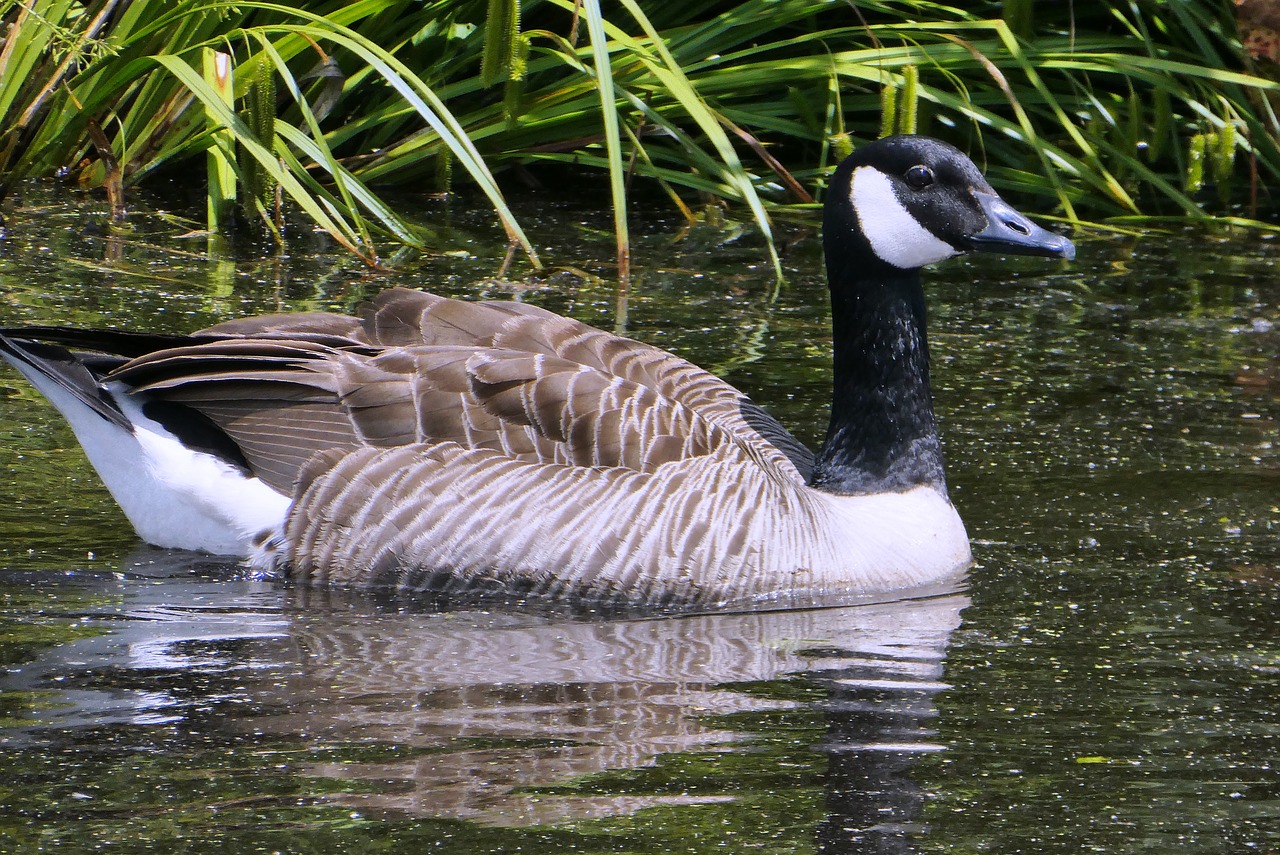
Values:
[(895, 236)]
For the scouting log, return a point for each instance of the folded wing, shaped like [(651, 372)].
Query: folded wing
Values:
[(422, 369)]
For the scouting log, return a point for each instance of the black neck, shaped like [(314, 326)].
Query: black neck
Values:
[(882, 436)]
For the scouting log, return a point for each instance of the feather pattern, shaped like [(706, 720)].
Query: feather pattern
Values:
[(425, 369), (426, 445), (714, 528)]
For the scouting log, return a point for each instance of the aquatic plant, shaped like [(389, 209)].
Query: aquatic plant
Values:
[(312, 109)]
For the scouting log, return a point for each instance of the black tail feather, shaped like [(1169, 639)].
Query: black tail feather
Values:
[(79, 374), (116, 342)]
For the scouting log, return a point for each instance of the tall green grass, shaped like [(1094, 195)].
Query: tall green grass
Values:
[(309, 111)]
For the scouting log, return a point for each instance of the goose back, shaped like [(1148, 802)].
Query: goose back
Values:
[(419, 368)]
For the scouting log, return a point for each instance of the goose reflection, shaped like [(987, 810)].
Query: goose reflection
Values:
[(493, 716)]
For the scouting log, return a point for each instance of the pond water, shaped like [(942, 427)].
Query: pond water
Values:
[(1107, 681)]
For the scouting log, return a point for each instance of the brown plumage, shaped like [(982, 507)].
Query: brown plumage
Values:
[(426, 369), (439, 442)]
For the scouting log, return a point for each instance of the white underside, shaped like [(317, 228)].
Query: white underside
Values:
[(174, 496)]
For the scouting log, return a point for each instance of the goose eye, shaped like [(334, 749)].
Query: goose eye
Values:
[(919, 177)]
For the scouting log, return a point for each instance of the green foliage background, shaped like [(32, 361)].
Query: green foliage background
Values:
[(1099, 111)]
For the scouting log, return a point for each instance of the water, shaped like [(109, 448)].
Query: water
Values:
[(1107, 682)]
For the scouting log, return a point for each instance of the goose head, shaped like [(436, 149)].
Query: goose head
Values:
[(894, 206), (904, 202)]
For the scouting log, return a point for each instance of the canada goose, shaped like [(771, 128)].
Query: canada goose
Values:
[(434, 443)]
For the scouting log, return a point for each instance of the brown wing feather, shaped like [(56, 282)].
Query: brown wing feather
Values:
[(273, 397), (337, 329), (425, 394), (279, 438), (396, 314), (403, 318), (424, 369), (602, 420)]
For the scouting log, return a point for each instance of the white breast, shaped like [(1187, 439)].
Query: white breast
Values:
[(890, 541)]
